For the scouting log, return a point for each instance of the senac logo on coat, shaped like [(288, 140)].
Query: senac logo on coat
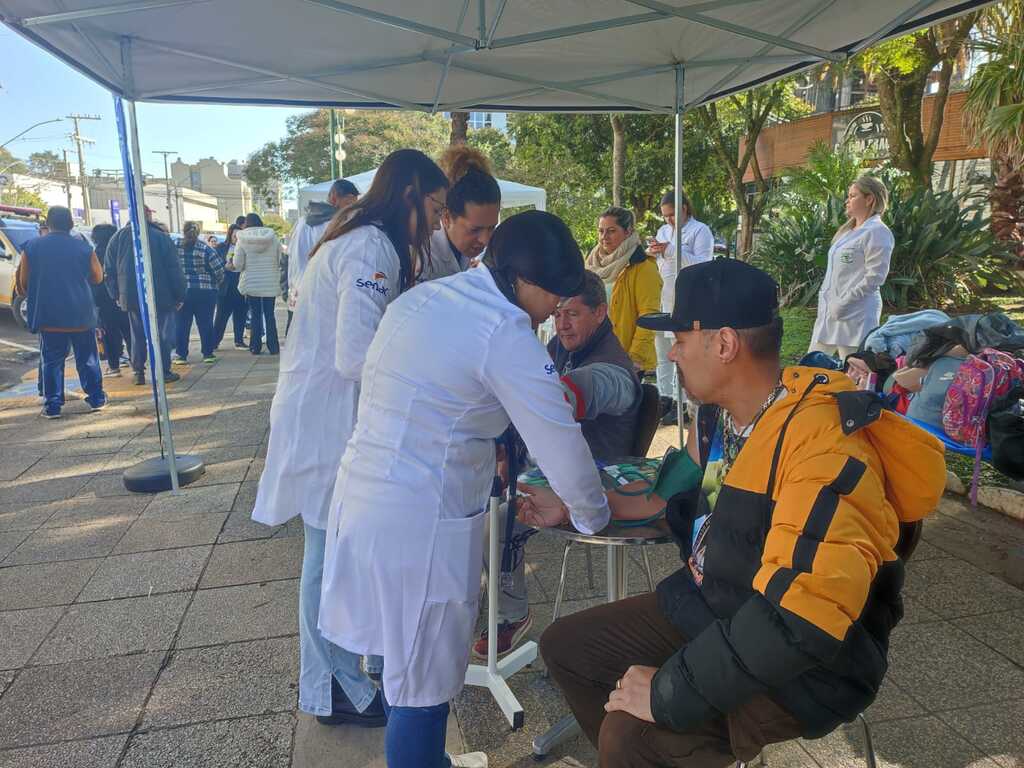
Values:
[(374, 284)]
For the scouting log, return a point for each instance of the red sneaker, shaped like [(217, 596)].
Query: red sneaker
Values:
[(510, 634)]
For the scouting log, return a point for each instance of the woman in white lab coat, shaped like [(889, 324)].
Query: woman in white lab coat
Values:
[(470, 216), (850, 299), (452, 362), (367, 257)]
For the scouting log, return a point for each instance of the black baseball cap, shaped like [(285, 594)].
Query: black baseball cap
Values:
[(719, 293)]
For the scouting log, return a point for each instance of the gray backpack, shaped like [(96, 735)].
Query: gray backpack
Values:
[(927, 404)]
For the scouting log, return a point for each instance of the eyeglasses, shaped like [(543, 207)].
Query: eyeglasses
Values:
[(440, 205)]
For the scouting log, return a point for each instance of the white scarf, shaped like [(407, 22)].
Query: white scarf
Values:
[(609, 266)]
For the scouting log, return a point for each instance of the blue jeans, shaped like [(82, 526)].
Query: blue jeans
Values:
[(200, 304), (415, 737), (54, 347), (140, 348), (262, 310), (318, 657)]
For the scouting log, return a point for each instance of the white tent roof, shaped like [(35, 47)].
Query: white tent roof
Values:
[(566, 55), (513, 194)]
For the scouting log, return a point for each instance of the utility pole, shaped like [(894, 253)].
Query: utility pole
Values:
[(167, 186), (67, 179), (79, 140)]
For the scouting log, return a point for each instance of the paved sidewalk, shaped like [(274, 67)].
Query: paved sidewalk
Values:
[(160, 630)]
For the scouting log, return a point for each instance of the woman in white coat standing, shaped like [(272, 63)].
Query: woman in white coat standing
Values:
[(452, 363), (257, 259), (471, 214), (369, 254), (850, 299)]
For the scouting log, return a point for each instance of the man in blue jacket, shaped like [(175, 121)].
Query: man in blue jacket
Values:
[(55, 274)]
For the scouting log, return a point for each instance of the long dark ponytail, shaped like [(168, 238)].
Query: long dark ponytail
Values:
[(386, 203)]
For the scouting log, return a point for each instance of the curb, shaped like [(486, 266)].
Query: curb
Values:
[(1008, 501)]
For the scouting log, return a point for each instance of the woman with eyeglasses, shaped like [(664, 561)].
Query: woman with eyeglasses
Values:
[(369, 254)]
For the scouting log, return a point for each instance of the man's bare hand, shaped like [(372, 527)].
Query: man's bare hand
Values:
[(541, 508), (632, 693)]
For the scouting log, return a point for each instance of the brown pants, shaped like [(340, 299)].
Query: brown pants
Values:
[(588, 651)]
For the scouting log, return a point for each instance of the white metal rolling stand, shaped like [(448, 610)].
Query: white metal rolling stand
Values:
[(494, 675)]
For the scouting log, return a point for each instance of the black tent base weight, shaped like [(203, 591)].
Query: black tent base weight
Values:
[(153, 475)]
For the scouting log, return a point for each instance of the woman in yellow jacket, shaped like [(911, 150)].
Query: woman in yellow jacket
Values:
[(633, 282)]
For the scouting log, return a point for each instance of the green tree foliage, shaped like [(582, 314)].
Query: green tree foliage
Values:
[(303, 155), (901, 69), (276, 223), (48, 164), (731, 127), (9, 163), (571, 157), (496, 146), (22, 197)]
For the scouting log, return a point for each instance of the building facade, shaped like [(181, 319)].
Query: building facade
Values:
[(223, 181)]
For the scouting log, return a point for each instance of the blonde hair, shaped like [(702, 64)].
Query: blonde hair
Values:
[(869, 186), (460, 159), (470, 179)]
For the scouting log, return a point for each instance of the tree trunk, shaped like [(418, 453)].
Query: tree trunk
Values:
[(1007, 200), (618, 158), (460, 127)]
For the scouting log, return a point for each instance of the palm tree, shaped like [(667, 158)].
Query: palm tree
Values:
[(994, 115)]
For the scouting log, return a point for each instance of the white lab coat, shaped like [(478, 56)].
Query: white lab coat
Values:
[(452, 361), (443, 260), (345, 291), (698, 246), (303, 238), (850, 299)]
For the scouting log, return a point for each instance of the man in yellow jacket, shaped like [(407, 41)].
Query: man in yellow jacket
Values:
[(777, 624), (633, 280)]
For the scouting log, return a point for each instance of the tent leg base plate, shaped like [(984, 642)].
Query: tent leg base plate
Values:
[(153, 475)]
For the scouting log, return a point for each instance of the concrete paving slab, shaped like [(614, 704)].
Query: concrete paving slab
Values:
[(6, 678), (76, 700), (148, 534), (24, 491), (109, 484), (788, 754), (88, 753), (253, 561), (252, 742), (14, 463), (221, 472), (63, 467), (953, 588), (246, 612), (923, 741), (997, 729), (25, 516), (90, 445), (76, 543), (114, 628), (10, 540), (893, 703), (86, 509), (22, 632), (146, 573), (948, 669), (1001, 632), (226, 681), (42, 584), (192, 500)]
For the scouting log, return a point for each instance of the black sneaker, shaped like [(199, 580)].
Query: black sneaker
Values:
[(671, 417), (344, 712), (665, 404), (170, 377), (140, 379)]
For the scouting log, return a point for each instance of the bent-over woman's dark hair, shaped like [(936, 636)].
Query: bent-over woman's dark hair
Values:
[(253, 220), (470, 179), (387, 204), (539, 248)]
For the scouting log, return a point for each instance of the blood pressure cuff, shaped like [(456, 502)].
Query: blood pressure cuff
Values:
[(678, 473)]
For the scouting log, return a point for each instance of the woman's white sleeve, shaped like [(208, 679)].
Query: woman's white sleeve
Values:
[(703, 246), (238, 257), (878, 247), (521, 375), (364, 291)]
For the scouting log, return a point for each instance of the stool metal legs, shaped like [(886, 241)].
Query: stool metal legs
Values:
[(647, 567), (561, 581)]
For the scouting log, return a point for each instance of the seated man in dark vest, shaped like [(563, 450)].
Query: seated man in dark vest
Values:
[(601, 385)]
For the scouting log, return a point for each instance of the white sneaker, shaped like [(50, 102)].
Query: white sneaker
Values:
[(470, 760)]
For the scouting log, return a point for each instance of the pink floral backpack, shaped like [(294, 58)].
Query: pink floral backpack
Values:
[(981, 380)]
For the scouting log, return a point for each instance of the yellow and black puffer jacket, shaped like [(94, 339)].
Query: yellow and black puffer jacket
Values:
[(801, 582)]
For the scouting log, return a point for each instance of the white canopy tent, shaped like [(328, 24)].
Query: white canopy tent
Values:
[(663, 56), (513, 194)]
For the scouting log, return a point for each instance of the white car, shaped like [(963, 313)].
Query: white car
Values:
[(17, 227)]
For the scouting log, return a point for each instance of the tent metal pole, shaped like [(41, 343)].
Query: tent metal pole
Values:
[(155, 342), (679, 106), (104, 10)]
